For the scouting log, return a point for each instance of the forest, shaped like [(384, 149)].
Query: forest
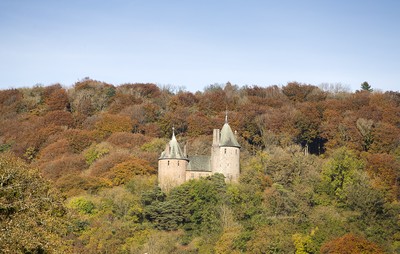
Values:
[(320, 170)]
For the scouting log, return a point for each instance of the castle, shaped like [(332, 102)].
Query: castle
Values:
[(175, 167)]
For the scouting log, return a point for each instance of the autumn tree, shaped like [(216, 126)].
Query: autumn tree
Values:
[(350, 244), (32, 215)]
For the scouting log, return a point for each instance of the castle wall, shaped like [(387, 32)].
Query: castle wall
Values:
[(196, 174), (171, 173), (229, 163)]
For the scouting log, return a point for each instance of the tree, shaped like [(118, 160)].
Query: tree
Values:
[(366, 87), (340, 171), (350, 244), (32, 216)]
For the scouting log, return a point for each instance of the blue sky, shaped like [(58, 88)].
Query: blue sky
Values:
[(192, 44)]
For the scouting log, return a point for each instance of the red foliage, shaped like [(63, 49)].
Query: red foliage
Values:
[(386, 138), (104, 164), (211, 103), (79, 139), (54, 150), (65, 165), (10, 100), (384, 170), (350, 244), (59, 118), (199, 124), (56, 98)]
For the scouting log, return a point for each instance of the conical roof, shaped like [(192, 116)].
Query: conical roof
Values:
[(227, 136), (174, 150)]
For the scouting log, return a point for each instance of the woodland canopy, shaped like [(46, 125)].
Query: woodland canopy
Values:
[(320, 170)]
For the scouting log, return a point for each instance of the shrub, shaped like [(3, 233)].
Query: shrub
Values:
[(82, 205), (95, 152)]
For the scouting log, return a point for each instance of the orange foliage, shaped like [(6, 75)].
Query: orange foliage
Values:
[(386, 138), (109, 124), (199, 124), (104, 164), (384, 170), (299, 92), (213, 102), (122, 101), (59, 118), (79, 139), (54, 150), (10, 102), (350, 244), (128, 140), (182, 99), (56, 98), (124, 171)]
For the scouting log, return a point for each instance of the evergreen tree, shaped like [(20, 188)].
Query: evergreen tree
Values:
[(366, 87)]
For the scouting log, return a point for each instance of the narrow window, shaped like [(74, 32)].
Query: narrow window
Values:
[(178, 163), (168, 163), (235, 151), (225, 150)]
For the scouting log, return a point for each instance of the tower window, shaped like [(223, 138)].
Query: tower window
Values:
[(168, 163)]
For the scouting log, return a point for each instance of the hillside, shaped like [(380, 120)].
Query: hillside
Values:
[(320, 170)]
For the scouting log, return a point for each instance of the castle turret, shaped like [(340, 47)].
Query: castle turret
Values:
[(172, 165), (225, 153)]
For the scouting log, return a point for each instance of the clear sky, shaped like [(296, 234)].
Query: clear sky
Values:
[(194, 43)]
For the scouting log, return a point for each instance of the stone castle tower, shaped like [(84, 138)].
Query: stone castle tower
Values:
[(175, 167)]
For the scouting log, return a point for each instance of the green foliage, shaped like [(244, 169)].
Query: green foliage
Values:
[(304, 243), (30, 153), (95, 152), (193, 206), (82, 205), (340, 172), (88, 140), (32, 216), (366, 87), (155, 145), (4, 147)]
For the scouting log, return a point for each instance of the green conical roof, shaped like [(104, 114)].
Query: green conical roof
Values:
[(227, 136), (175, 151)]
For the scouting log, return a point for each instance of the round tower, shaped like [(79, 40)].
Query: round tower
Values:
[(172, 165), (228, 154)]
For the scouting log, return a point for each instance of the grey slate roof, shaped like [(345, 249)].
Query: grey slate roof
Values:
[(227, 136), (199, 163), (174, 152)]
